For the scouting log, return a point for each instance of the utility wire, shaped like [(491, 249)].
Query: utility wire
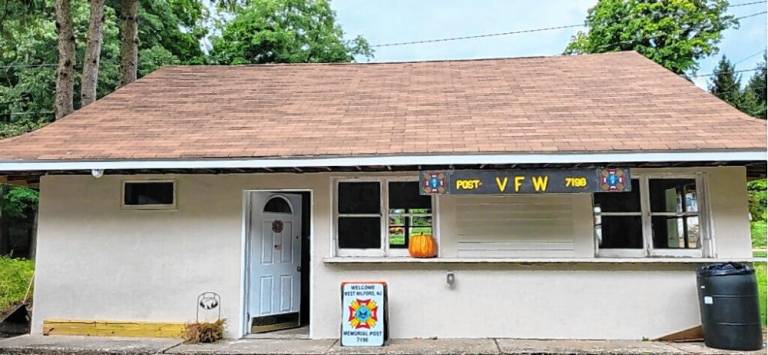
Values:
[(447, 39), (735, 71), (747, 3), (30, 113), (749, 56), (752, 15), (478, 36), (26, 66)]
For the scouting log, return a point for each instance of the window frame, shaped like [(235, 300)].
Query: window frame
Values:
[(169, 207), (706, 242), (384, 250)]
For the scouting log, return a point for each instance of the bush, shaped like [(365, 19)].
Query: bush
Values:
[(760, 271), (15, 275), (758, 234), (204, 332)]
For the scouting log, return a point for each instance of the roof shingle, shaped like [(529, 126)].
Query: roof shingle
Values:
[(591, 103)]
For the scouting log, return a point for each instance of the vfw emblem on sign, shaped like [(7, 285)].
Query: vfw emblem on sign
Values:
[(612, 179), (363, 314)]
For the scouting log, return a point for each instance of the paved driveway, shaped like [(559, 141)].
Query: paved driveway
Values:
[(59, 345)]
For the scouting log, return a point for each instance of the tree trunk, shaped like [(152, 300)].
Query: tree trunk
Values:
[(90, 77), (65, 80), (129, 40)]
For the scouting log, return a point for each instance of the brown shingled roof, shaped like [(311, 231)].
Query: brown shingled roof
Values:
[(591, 103)]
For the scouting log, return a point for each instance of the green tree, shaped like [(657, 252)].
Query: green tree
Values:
[(177, 26), (755, 92), (725, 83), (169, 33), (285, 31), (675, 34)]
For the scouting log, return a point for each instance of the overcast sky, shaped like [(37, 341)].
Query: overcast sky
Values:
[(388, 21)]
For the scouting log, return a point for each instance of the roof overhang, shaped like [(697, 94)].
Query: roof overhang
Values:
[(726, 157)]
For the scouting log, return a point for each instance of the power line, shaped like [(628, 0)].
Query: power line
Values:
[(31, 113), (27, 65), (747, 3), (752, 15), (478, 36), (749, 56), (530, 31), (735, 71)]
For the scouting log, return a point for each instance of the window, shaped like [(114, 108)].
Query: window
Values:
[(359, 215), (674, 213), (149, 194), (659, 217), (410, 213), (618, 219), (376, 218), (277, 205)]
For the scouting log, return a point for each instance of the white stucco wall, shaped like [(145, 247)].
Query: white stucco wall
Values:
[(96, 261)]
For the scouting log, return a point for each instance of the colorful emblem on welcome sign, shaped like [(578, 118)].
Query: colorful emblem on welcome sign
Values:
[(612, 179), (363, 314), (434, 183)]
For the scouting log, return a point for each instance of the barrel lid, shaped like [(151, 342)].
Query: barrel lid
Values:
[(720, 269)]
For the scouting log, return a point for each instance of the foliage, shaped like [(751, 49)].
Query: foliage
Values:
[(675, 34), (15, 276), (176, 26), (204, 332), (756, 190), (170, 33), (726, 84), (19, 201), (755, 93), (155, 57), (757, 199), (758, 231), (285, 31), (762, 285)]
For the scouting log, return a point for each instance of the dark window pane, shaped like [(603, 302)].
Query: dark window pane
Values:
[(673, 195), (148, 193), (359, 232), (277, 205), (675, 232), (405, 194), (359, 197), (619, 201), (620, 232)]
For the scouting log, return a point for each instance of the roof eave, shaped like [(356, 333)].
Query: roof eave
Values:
[(729, 156)]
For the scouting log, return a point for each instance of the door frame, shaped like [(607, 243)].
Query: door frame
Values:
[(246, 254)]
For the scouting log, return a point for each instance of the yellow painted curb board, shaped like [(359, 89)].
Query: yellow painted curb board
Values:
[(112, 328)]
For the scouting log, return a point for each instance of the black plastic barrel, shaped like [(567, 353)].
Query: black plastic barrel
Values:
[(730, 310)]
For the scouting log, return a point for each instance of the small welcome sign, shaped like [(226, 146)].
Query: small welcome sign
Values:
[(364, 315)]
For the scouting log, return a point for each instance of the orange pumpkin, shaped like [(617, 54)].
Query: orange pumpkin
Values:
[(422, 246)]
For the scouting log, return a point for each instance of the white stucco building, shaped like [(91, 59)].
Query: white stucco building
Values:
[(271, 185)]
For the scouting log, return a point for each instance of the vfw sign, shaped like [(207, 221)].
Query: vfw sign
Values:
[(525, 181), (363, 309)]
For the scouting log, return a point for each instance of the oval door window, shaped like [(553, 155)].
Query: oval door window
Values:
[(278, 205)]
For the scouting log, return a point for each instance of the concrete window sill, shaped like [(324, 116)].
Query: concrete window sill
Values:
[(408, 260)]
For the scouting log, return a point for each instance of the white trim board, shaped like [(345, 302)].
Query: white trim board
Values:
[(400, 160)]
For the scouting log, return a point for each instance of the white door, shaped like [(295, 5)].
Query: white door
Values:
[(275, 274)]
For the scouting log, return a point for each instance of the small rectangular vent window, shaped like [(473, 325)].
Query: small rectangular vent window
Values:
[(149, 194)]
